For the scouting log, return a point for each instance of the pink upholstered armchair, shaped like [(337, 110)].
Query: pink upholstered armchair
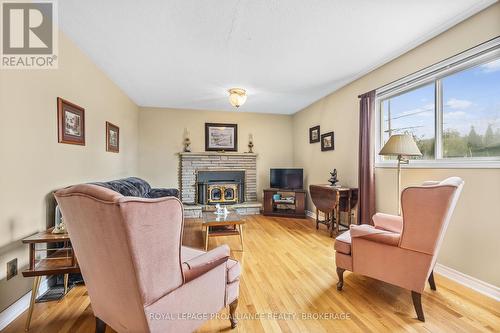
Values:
[(138, 275), (402, 250)]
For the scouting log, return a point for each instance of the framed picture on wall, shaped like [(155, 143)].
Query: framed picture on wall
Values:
[(70, 122), (221, 137), (314, 134), (327, 141), (112, 138)]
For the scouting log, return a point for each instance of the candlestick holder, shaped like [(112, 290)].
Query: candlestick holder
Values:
[(250, 146)]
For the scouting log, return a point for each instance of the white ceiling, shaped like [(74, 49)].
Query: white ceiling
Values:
[(286, 53)]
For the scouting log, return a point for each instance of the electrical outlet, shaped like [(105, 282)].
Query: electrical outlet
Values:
[(11, 269)]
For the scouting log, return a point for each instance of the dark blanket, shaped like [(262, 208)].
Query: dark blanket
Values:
[(137, 187)]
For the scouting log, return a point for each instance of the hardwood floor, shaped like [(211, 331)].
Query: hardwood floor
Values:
[(289, 270)]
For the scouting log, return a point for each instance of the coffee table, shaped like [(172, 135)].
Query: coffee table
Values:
[(222, 225)]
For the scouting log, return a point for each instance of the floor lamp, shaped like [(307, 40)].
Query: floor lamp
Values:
[(402, 146)]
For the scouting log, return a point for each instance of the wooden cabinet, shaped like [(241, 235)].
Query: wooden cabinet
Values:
[(292, 207)]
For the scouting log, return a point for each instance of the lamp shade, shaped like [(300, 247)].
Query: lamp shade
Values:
[(400, 144)]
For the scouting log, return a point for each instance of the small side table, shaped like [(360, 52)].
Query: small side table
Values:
[(58, 261), (331, 201)]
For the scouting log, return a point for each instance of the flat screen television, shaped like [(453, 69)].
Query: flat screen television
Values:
[(287, 179)]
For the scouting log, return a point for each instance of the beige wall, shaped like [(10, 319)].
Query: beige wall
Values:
[(161, 136), (470, 244), (32, 163)]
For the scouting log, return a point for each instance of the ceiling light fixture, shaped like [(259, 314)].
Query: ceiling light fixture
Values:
[(237, 96)]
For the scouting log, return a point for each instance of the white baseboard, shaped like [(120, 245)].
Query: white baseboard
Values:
[(18, 307), (469, 281)]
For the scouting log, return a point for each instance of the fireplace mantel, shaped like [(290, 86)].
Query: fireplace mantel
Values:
[(192, 162)]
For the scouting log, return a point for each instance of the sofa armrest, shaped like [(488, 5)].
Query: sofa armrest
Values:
[(375, 235), (193, 268), (388, 222), (163, 192)]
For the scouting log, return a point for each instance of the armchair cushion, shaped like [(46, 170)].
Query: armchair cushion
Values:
[(388, 222), (371, 233), (343, 243), (199, 265)]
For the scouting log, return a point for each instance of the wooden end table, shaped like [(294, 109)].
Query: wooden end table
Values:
[(57, 261), (331, 201), (222, 225)]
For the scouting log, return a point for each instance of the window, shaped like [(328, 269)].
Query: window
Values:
[(413, 113), (471, 112), (451, 109)]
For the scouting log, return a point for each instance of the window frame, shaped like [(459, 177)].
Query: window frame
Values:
[(434, 74)]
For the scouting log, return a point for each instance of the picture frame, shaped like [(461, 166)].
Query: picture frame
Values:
[(327, 141), (314, 134), (70, 122), (221, 137), (112, 138)]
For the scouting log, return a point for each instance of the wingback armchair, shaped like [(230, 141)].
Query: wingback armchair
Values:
[(402, 250), (138, 275)]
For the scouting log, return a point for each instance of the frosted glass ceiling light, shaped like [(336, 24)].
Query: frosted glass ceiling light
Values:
[(237, 96)]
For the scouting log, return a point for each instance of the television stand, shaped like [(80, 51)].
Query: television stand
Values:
[(291, 203)]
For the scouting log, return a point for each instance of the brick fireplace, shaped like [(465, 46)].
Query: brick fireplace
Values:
[(221, 172)]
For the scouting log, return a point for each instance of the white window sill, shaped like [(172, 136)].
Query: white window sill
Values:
[(461, 164)]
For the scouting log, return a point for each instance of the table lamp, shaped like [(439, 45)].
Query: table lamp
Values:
[(402, 146)]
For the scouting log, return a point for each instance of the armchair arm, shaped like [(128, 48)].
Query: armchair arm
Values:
[(388, 222), (163, 192), (203, 263), (375, 235)]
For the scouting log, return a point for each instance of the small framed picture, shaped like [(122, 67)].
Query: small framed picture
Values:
[(70, 123), (112, 138), (327, 141), (314, 134), (221, 137)]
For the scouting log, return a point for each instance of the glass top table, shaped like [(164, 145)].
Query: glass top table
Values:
[(210, 217), (222, 225)]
